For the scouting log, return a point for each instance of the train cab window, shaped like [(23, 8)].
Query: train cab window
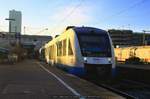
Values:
[(95, 45), (70, 52), (64, 47)]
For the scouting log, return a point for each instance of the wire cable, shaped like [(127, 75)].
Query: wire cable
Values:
[(68, 15), (123, 11)]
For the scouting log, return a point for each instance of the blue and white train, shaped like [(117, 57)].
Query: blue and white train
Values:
[(81, 51)]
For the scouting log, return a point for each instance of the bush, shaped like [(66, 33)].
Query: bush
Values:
[(134, 60), (19, 52), (3, 55)]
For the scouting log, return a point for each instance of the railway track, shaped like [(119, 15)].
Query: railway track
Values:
[(136, 89), (127, 88), (126, 95)]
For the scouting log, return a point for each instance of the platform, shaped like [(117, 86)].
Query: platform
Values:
[(138, 66), (32, 79)]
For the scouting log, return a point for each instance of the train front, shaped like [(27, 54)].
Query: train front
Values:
[(97, 51)]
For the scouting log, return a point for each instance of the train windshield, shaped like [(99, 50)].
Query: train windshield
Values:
[(95, 45)]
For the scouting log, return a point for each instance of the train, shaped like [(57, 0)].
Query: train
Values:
[(124, 53), (42, 54), (82, 51)]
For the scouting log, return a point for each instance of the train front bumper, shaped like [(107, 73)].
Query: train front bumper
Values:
[(97, 60)]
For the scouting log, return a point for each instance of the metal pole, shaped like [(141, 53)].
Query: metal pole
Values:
[(143, 37), (9, 26)]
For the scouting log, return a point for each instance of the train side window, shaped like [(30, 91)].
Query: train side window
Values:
[(46, 51), (59, 48), (64, 47), (70, 52), (50, 55), (53, 51)]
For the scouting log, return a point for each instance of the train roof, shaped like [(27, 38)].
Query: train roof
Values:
[(85, 30), (80, 30)]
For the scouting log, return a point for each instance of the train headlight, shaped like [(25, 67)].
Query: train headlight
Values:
[(109, 60), (85, 59)]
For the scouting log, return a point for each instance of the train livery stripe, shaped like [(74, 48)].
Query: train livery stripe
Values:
[(61, 81)]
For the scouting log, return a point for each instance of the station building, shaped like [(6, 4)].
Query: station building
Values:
[(38, 40)]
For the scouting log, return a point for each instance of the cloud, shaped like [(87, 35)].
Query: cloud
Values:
[(69, 15), (72, 15), (3, 24)]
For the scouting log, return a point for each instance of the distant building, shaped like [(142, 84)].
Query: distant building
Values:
[(16, 24), (121, 37), (38, 41), (32, 43), (124, 38), (138, 39)]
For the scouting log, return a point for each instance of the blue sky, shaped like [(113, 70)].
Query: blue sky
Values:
[(57, 14)]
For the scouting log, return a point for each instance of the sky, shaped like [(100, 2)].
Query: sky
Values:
[(56, 15)]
